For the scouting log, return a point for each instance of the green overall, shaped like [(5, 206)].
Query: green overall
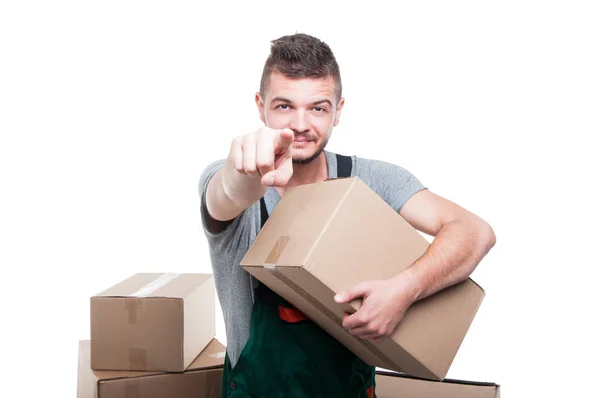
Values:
[(289, 356)]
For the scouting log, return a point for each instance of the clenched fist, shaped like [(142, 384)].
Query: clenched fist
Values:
[(266, 153)]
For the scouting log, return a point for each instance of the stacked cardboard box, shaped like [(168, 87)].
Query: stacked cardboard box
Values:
[(396, 385), (202, 379), (152, 334)]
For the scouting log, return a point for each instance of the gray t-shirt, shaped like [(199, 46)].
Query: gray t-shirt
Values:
[(227, 248)]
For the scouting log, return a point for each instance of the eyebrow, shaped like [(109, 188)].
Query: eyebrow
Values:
[(287, 101)]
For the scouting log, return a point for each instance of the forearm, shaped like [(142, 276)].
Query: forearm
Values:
[(230, 192), (452, 256)]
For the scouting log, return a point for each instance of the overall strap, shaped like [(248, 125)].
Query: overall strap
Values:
[(264, 214), (344, 166)]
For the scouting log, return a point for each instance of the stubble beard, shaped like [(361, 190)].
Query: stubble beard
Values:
[(306, 160)]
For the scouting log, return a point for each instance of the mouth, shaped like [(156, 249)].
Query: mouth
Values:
[(300, 138)]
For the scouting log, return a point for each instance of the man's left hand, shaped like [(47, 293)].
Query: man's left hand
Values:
[(384, 303)]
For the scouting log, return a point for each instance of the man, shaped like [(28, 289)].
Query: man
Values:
[(268, 355)]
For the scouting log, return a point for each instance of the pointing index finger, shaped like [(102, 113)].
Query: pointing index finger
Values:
[(283, 140)]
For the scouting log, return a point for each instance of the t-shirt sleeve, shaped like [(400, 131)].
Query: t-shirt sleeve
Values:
[(208, 223), (214, 228), (235, 233), (393, 183)]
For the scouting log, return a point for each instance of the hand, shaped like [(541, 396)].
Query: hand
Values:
[(266, 153), (384, 303)]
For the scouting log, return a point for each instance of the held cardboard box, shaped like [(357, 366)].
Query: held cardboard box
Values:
[(394, 385), (326, 237), (152, 322), (201, 380)]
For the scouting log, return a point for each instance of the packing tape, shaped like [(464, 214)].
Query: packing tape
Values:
[(134, 306), (276, 251), (220, 354), (153, 286), (330, 314), (137, 359)]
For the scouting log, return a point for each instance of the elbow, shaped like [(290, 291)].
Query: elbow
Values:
[(487, 237), (482, 237), (492, 241)]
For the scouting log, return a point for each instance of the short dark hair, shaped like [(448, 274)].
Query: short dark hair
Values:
[(301, 56)]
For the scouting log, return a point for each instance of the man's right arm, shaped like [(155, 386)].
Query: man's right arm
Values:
[(255, 161)]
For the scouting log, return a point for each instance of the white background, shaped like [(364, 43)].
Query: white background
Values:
[(110, 110)]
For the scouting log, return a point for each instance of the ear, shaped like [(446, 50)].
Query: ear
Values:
[(261, 107), (338, 111)]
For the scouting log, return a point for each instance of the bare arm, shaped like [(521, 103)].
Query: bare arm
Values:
[(255, 161), (229, 193), (461, 241)]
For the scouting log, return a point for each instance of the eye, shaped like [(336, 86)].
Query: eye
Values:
[(283, 106), (320, 109)]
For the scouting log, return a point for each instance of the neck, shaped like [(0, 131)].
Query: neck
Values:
[(315, 171)]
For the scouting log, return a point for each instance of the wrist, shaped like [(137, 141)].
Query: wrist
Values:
[(240, 188), (409, 285)]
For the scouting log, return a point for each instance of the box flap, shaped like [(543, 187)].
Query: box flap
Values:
[(171, 285), (212, 356), (182, 286)]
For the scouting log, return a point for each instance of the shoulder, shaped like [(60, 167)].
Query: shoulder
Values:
[(394, 183), (373, 168)]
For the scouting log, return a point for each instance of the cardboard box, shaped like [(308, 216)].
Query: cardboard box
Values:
[(201, 380), (326, 237), (393, 385), (152, 322)]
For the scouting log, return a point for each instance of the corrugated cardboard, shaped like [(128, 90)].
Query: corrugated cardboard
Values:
[(393, 385), (323, 238), (152, 322), (201, 380)]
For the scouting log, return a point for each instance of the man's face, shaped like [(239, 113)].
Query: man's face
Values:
[(306, 106)]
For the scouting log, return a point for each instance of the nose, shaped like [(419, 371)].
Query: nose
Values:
[(299, 122)]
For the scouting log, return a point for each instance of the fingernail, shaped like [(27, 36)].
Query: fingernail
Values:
[(338, 297), (269, 180)]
